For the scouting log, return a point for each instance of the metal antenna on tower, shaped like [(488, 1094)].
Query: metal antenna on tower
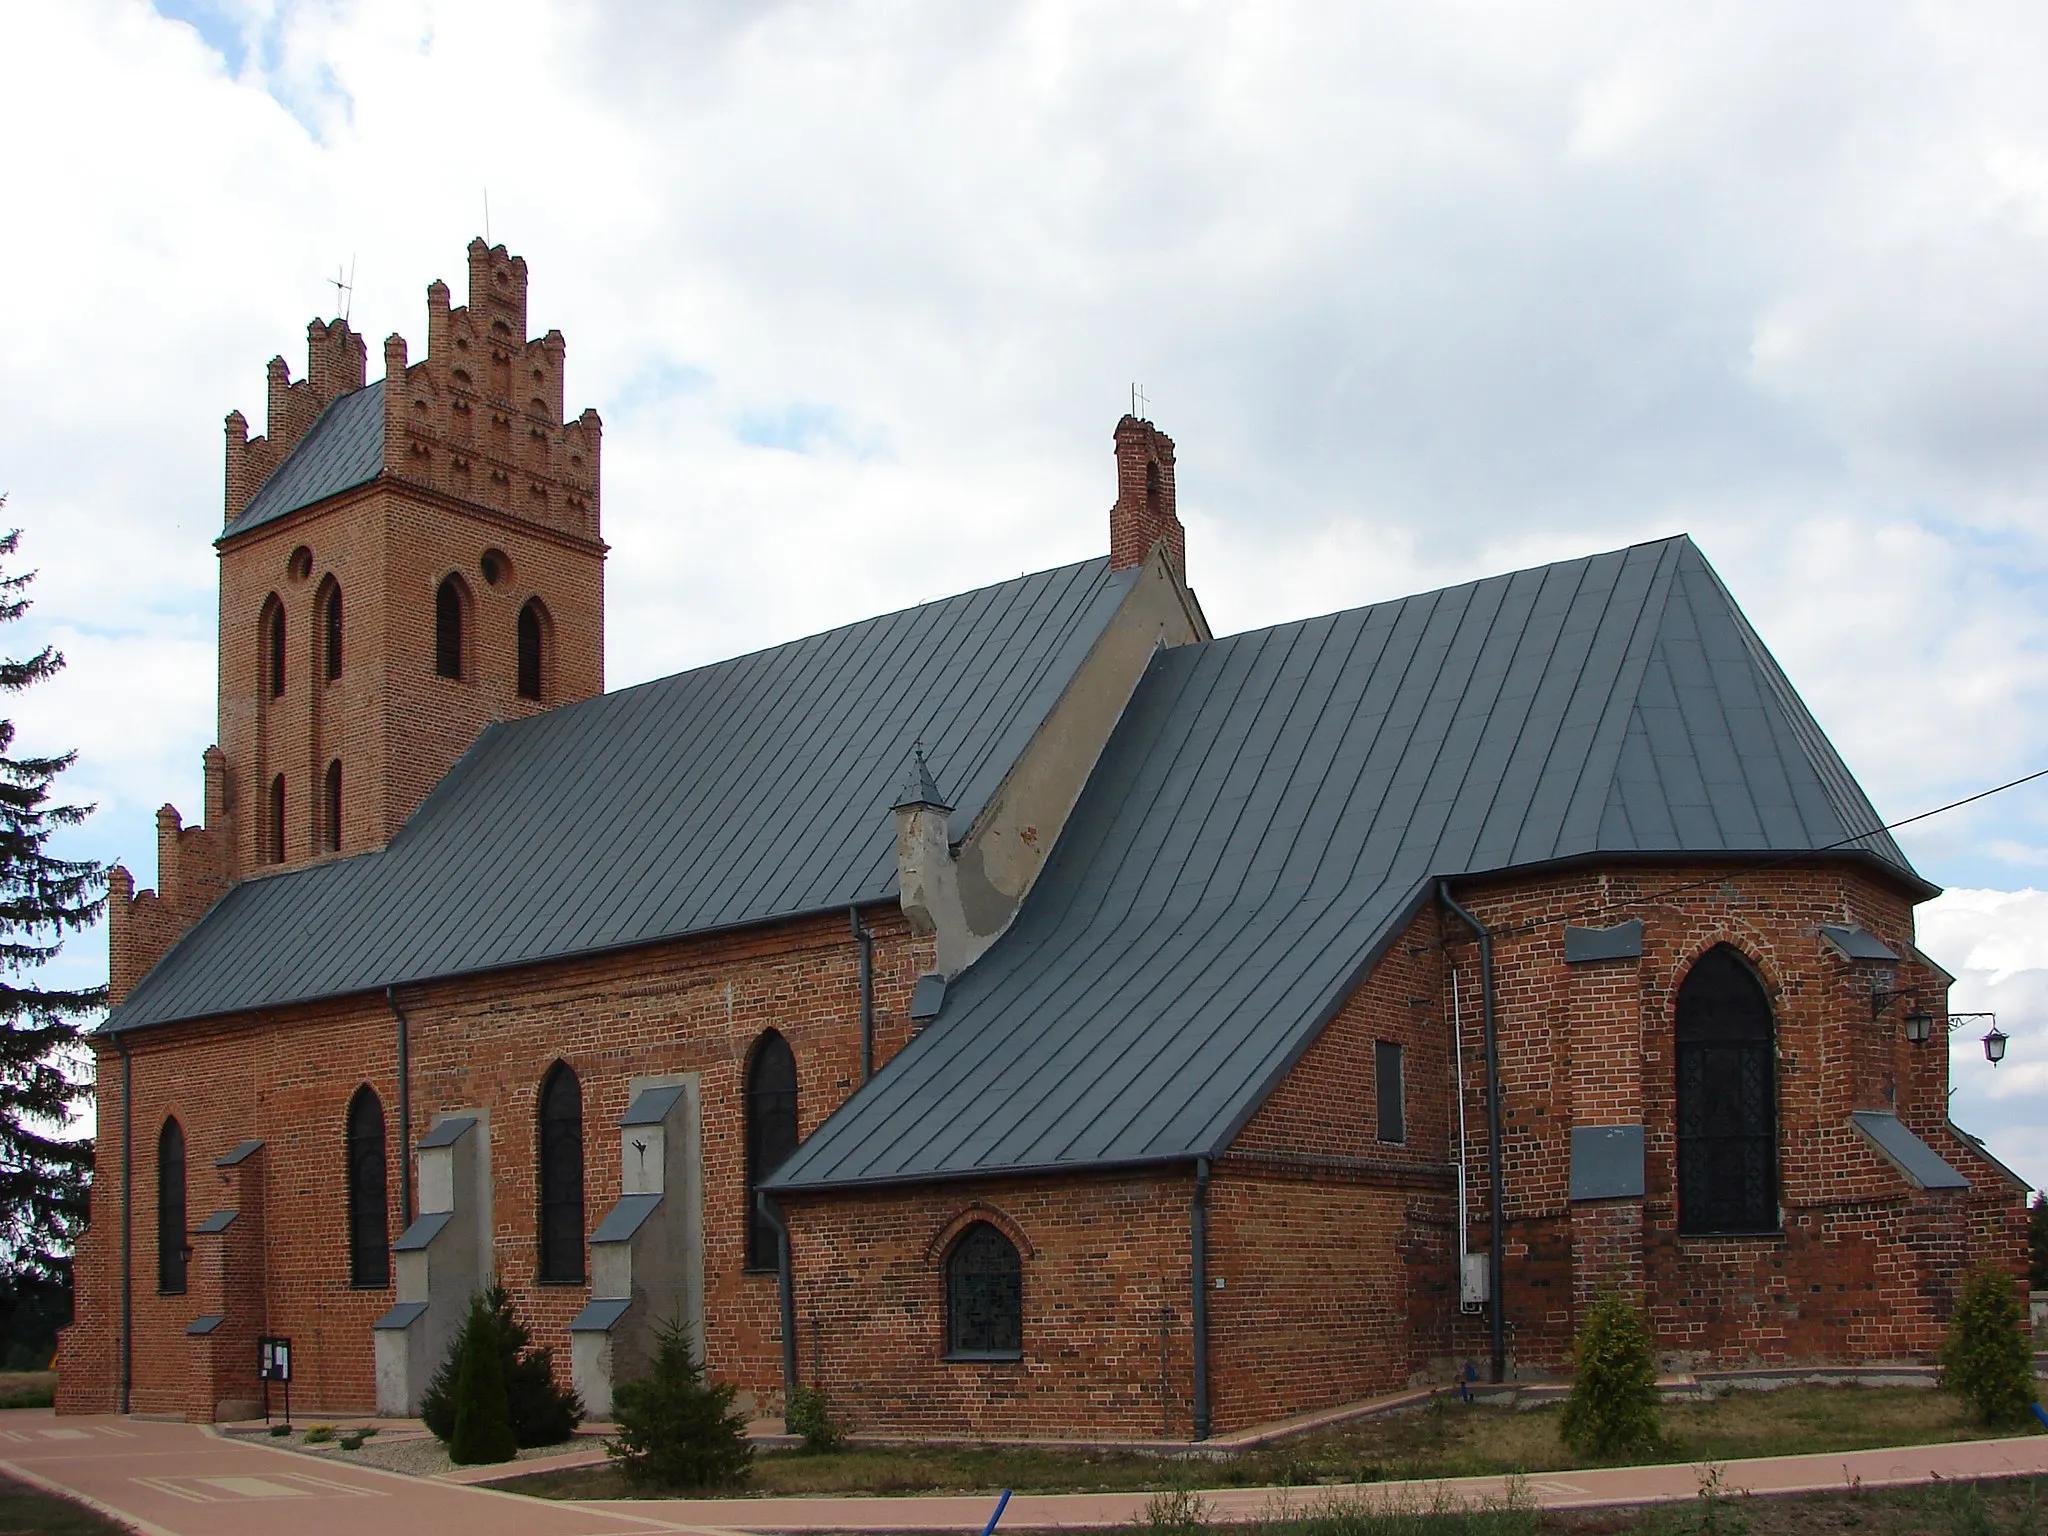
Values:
[(1138, 402), (344, 292), (487, 215)]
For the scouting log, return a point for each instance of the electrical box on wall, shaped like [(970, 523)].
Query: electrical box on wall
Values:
[(1472, 1284)]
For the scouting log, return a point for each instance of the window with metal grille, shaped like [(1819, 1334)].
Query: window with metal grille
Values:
[(771, 1135), (172, 1249), (1393, 1116), (1727, 1098), (369, 1215), (984, 1296), (448, 607), (530, 639), (561, 1177)]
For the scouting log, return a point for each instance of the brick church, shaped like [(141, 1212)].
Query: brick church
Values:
[(1022, 1014)]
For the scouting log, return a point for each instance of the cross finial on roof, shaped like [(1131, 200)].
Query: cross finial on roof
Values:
[(919, 789)]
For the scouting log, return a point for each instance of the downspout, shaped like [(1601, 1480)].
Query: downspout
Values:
[(404, 1109), (127, 1221), (1495, 1265), (1198, 1235), (866, 940), (787, 1279)]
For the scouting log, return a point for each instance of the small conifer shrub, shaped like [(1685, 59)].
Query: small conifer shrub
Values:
[(1986, 1360), (810, 1415), (542, 1413), (1613, 1407), (676, 1430), (483, 1414)]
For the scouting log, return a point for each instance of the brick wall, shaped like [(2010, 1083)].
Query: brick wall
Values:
[(286, 1078)]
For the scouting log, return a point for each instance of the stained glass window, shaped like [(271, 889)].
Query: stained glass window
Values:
[(369, 1236), (561, 1177), (771, 1135), (1727, 1099)]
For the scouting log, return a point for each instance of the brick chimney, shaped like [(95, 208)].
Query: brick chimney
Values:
[(1144, 513)]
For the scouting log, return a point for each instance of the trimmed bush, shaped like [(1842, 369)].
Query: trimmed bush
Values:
[(810, 1415), (483, 1414), (1613, 1407), (676, 1430), (542, 1413), (1986, 1360)]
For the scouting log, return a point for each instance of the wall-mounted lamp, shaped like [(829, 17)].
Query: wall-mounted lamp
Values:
[(1994, 1046), (1919, 1026)]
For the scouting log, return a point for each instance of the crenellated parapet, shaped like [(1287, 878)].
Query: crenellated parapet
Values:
[(336, 365), (192, 874), (479, 417)]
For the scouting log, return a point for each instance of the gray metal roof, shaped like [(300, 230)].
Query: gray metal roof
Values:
[(751, 789), (1922, 1166), (344, 447), (1274, 806)]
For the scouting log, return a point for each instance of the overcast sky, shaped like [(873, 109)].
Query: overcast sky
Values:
[(1424, 292)]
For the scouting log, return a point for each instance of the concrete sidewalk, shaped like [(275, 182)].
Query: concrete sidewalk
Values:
[(169, 1479)]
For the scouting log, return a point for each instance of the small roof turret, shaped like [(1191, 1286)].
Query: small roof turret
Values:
[(918, 787)]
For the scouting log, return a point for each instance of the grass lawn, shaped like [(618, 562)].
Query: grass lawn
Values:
[(27, 1389), (1447, 1439), (26, 1511)]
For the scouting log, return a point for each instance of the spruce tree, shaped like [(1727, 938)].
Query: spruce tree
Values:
[(43, 1176), (483, 1414), (1986, 1360), (1613, 1407), (676, 1430)]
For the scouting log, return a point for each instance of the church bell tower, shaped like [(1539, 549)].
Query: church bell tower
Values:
[(403, 561)]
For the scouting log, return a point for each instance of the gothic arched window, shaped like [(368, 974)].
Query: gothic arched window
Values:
[(561, 1177), (369, 1234), (330, 622), (984, 1296), (532, 638), (273, 645), (771, 1136), (1727, 1098), (448, 615), (171, 1247), (331, 807)]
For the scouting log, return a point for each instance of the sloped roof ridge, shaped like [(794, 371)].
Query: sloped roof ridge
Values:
[(1273, 809)]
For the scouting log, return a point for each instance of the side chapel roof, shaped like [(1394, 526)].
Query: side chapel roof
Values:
[(1274, 807), (736, 793)]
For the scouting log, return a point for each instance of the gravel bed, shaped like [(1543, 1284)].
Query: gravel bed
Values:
[(420, 1455)]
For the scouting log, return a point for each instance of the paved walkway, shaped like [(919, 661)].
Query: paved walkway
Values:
[(177, 1480)]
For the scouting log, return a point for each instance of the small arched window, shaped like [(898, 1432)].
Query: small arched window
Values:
[(276, 827), (369, 1215), (448, 606), (561, 1177), (1727, 1098), (330, 624), (171, 1247), (273, 646), (331, 808), (532, 641), (984, 1296), (771, 1136)]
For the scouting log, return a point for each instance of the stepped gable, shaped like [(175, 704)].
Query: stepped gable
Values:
[(1273, 809), (748, 790)]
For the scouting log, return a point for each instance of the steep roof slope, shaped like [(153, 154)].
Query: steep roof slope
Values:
[(1274, 806), (343, 448), (752, 789)]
